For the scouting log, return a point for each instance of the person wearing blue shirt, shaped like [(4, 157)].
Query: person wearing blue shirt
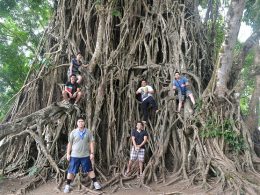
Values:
[(180, 84)]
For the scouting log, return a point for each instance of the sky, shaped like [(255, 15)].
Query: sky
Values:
[(244, 32)]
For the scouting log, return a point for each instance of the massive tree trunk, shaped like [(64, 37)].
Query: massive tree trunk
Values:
[(253, 116), (234, 17), (125, 41)]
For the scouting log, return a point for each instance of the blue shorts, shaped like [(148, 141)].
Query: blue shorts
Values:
[(75, 163)]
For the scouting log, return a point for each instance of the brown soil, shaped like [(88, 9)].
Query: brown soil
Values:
[(10, 186)]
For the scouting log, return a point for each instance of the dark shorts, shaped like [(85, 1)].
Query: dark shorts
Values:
[(181, 96), (75, 163)]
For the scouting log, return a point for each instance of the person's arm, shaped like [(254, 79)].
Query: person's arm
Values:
[(139, 90), (85, 65), (185, 82), (150, 89), (66, 89), (144, 142), (78, 89), (91, 146), (134, 143), (69, 146), (76, 92), (173, 85)]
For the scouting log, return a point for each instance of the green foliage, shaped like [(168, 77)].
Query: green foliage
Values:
[(116, 13), (251, 14), (214, 129), (220, 33), (198, 104), (21, 25), (249, 83)]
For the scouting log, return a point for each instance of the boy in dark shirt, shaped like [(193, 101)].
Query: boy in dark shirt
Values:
[(72, 91), (74, 67), (139, 138)]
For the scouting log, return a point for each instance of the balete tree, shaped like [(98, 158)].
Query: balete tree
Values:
[(125, 41)]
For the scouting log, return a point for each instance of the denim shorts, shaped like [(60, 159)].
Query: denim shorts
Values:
[(85, 162)]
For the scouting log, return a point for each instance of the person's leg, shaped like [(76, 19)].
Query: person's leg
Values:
[(141, 160), (79, 79), (72, 171), (180, 97), (179, 105), (153, 103), (191, 98), (145, 105), (65, 95), (78, 97), (87, 168), (70, 178), (141, 164), (133, 157), (129, 166)]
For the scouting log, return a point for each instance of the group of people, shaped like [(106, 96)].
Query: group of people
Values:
[(72, 92), (80, 148), (179, 85), (80, 152)]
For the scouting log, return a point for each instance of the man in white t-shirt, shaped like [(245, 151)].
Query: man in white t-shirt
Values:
[(146, 92)]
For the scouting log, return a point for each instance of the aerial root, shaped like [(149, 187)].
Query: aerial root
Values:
[(32, 184)]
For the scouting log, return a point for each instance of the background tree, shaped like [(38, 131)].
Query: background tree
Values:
[(21, 27), (125, 41)]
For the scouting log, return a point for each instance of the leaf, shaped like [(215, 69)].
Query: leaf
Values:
[(116, 13)]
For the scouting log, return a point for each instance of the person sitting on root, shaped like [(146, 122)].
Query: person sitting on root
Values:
[(72, 92), (139, 138), (146, 92), (180, 84), (80, 152), (74, 67)]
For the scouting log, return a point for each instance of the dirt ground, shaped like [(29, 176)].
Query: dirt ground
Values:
[(9, 186)]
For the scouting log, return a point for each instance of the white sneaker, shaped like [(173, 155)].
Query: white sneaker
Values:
[(97, 185), (67, 188)]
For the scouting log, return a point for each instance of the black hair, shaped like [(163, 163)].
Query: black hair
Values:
[(140, 122), (81, 118), (72, 75), (79, 53), (177, 72)]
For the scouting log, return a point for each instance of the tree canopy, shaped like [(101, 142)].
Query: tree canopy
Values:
[(21, 26)]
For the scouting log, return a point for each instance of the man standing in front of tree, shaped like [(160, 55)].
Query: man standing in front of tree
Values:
[(80, 151), (139, 138)]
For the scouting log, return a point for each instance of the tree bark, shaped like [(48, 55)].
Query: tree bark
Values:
[(253, 118), (234, 17)]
